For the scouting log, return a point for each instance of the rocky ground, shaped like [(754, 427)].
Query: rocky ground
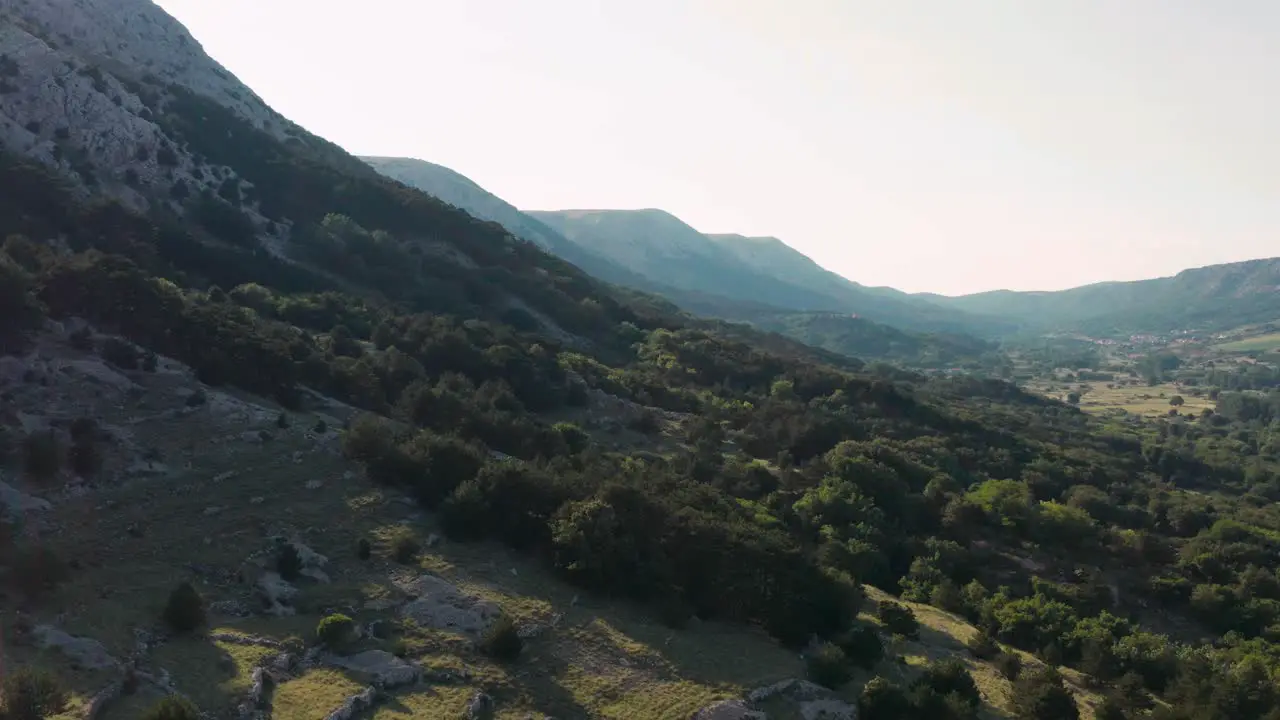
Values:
[(205, 485)]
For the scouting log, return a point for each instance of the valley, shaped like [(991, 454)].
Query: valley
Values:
[(287, 433)]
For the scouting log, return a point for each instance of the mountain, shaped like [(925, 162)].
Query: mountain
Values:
[(761, 262), (664, 249), (1208, 298), (281, 435)]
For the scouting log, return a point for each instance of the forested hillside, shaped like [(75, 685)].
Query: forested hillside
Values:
[(742, 478), (1217, 297)]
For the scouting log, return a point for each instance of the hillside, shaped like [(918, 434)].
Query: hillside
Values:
[(282, 438), (1209, 298), (861, 339), (664, 249)]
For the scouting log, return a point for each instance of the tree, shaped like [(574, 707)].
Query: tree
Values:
[(1177, 401), (827, 666), (862, 646), (898, 619), (1042, 695), (1073, 398), (502, 640), (288, 562), (28, 693), (882, 700), (185, 610), (950, 677), (335, 631)]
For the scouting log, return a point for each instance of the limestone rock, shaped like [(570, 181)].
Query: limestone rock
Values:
[(15, 503), (355, 705), (480, 707), (382, 668), (86, 653), (442, 606), (729, 710)]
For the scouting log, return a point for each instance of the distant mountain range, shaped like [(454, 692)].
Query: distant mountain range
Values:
[(765, 282)]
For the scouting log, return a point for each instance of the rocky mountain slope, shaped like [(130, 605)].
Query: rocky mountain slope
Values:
[(309, 443), (760, 263)]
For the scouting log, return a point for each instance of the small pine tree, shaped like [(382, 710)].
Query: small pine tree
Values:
[(502, 640), (282, 421), (404, 546), (289, 562), (363, 549), (827, 666), (335, 631), (882, 700), (172, 708), (30, 694), (862, 646), (185, 610), (898, 619), (1010, 665)]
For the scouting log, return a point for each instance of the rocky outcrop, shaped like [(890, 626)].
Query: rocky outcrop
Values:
[(14, 503), (729, 710), (383, 669), (355, 705), (804, 699), (442, 606), (83, 652)]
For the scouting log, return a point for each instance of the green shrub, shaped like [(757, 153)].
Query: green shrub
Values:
[(862, 646), (363, 549), (983, 646), (282, 421), (172, 708), (575, 438), (502, 640), (404, 546), (826, 665), (1009, 665), (898, 619), (336, 631), (185, 610), (882, 700), (289, 562), (42, 456), (950, 677), (1042, 695), (197, 398), (29, 693)]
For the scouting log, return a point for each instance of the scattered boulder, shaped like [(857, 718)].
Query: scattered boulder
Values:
[(276, 593), (15, 503), (382, 668), (813, 701), (85, 653), (442, 606), (480, 707), (729, 710)]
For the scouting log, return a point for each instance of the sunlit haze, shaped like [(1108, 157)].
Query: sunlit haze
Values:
[(928, 145)]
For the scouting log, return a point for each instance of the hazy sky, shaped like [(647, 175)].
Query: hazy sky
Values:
[(942, 145)]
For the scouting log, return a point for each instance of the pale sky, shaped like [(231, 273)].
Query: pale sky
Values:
[(931, 145)]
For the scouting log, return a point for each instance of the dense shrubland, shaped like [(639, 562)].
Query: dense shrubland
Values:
[(796, 481)]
